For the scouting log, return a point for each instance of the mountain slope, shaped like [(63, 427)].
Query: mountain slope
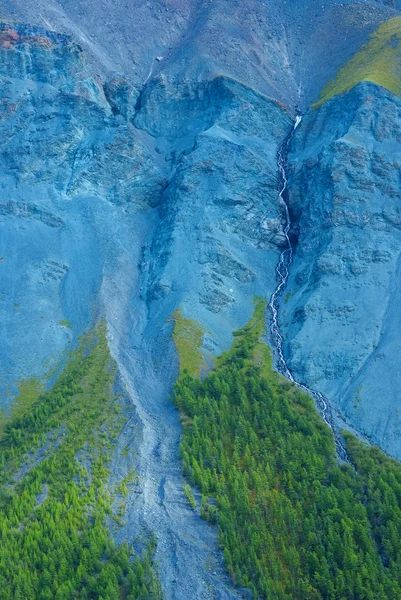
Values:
[(139, 175), (340, 321), (377, 61)]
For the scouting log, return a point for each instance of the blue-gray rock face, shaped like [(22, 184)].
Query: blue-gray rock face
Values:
[(67, 168), (341, 319), (220, 225), (285, 49), (73, 164), (127, 196), (127, 205)]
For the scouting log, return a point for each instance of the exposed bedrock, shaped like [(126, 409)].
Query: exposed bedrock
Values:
[(220, 223), (341, 313), (128, 201), (68, 170), (208, 247), (199, 160), (287, 50), (128, 205)]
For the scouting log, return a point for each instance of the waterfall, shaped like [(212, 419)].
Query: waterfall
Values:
[(282, 274)]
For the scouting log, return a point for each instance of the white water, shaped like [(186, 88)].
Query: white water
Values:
[(282, 273), (150, 73)]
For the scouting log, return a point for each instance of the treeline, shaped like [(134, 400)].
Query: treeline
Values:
[(293, 524), (54, 542)]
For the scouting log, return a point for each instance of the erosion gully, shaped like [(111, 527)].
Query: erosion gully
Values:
[(282, 274)]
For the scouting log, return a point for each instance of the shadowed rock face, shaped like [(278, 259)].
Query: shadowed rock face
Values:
[(200, 160), (341, 325), (220, 224)]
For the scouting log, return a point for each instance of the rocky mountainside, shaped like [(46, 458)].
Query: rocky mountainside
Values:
[(138, 174), (343, 287)]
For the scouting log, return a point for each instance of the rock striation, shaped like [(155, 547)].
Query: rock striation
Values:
[(339, 320), (66, 163)]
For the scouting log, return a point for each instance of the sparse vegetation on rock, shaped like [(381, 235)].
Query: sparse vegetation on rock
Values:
[(378, 61)]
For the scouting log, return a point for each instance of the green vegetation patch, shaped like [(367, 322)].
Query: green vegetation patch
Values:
[(28, 392), (293, 523), (249, 337), (65, 323), (188, 340), (54, 500), (378, 61), (189, 496)]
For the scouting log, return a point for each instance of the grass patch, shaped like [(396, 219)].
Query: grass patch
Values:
[(122, 487), (29, 391), (189, 496), (378, 61), (188, 340), (249, 339)]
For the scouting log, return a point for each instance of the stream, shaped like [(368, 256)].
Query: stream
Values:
[(282, 274)]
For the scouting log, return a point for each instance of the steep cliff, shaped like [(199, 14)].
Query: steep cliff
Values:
[(69, 168), (138, 175), (340, 311), (340, 321)]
